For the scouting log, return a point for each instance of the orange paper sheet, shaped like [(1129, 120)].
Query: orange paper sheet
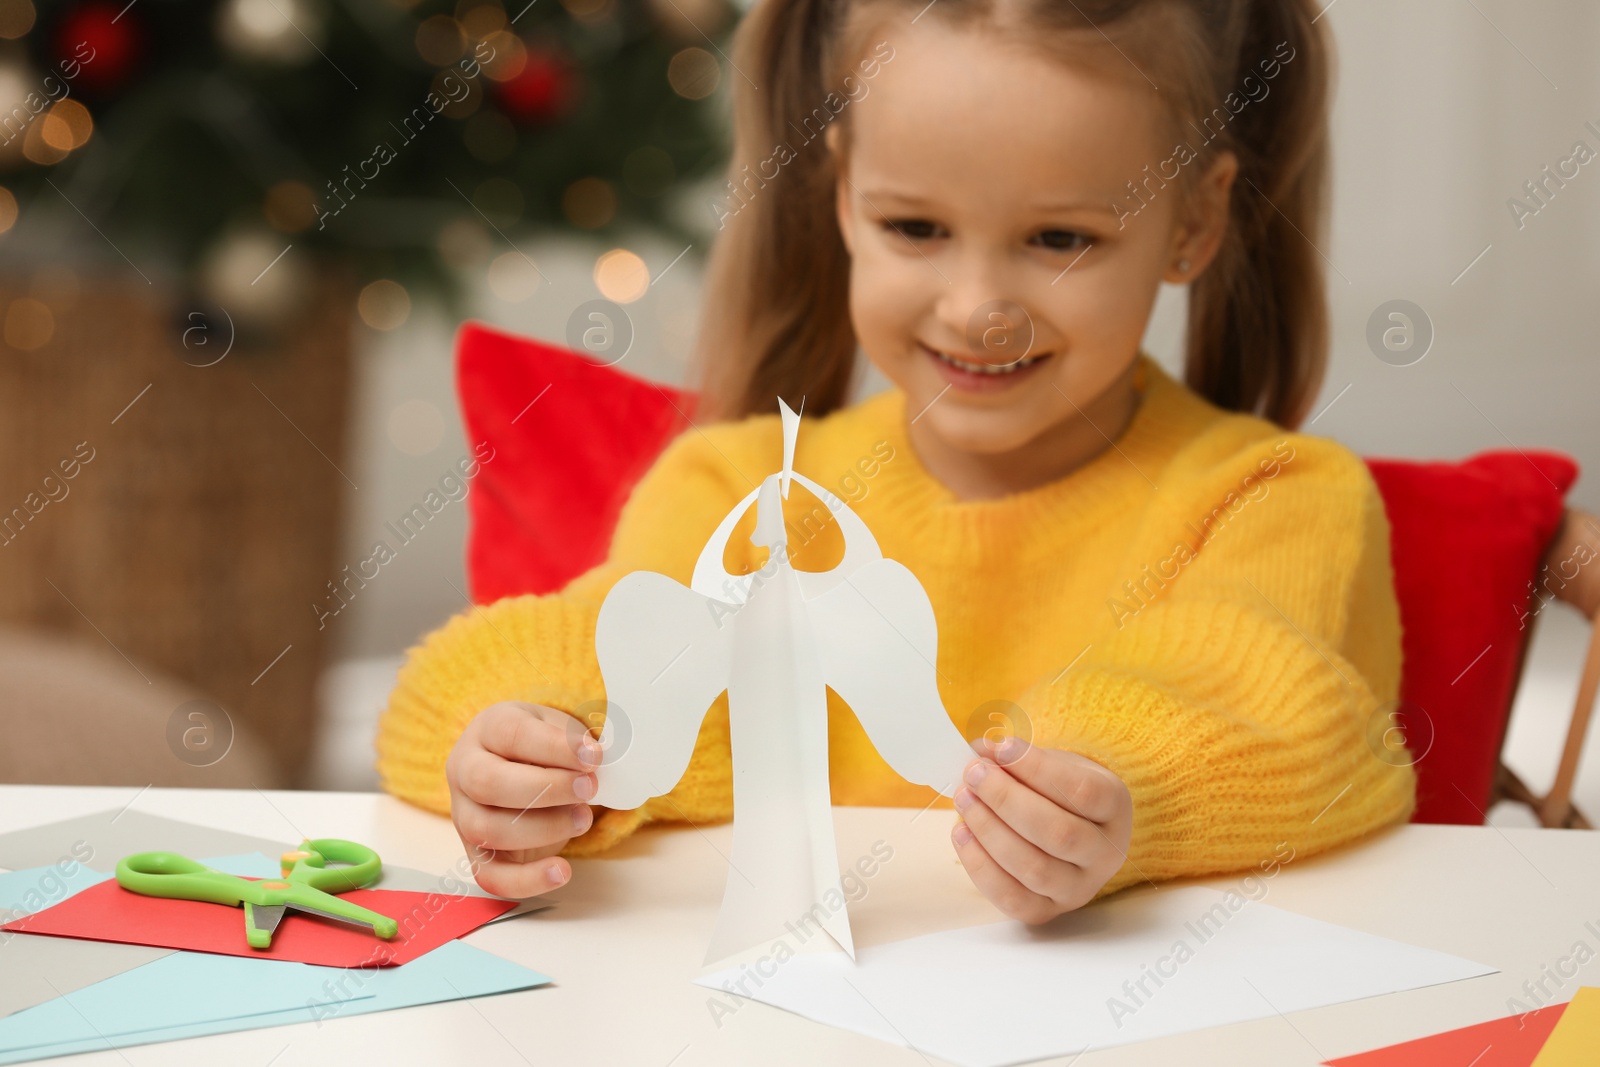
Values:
[(1575, 1042)]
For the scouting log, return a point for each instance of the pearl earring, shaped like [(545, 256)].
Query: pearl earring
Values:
[(1183, 266)]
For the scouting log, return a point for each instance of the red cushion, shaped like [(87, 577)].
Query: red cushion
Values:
[(1467, 536), (1466, 540), (543, 509)]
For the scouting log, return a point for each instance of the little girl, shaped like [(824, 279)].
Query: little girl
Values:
[(1166, 621)]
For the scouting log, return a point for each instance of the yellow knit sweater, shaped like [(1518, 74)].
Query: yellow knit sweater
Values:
[(1206, 608)]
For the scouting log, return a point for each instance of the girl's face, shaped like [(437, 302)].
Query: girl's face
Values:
[(984, 199)]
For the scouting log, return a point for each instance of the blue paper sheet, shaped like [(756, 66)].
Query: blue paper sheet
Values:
[(189, 994)]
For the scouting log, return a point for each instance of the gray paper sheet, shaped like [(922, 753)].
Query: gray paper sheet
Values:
[(112, 835), (35, 968)]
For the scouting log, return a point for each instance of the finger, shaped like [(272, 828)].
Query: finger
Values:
[(496, 782), (1005, 892), (506, 876), (1076, 782), (1049, 826), (479, 857), (503, 829), (533, 733), (1035, 869)]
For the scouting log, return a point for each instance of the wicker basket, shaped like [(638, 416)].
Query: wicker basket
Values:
[(201, 517)]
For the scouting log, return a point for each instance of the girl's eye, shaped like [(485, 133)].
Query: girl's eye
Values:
[(924, 229), (913, 229), (1062, 240)]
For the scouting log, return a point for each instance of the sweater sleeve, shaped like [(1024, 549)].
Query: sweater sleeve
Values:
[(1234, 693), (540, 648)]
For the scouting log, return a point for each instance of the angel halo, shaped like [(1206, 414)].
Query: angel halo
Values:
[(775, 639)]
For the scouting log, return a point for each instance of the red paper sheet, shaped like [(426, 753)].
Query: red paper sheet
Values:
[(1510, 1042), (108, 912)]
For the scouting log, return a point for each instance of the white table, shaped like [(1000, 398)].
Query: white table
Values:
[(631, 930)]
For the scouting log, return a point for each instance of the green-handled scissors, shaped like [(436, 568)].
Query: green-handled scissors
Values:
[(308, 885)]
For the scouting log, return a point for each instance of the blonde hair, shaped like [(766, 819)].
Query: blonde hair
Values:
[(776, 319)]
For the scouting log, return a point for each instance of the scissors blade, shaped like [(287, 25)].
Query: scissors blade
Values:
[(309, 910), (265, 917)]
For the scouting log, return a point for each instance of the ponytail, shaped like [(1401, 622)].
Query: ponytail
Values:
[(1258, 315), (777, 320)]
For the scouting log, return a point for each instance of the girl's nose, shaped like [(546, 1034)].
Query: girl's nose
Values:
[(981, 306)]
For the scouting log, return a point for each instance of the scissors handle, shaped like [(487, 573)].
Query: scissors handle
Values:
[(167, 874), (308, 865)]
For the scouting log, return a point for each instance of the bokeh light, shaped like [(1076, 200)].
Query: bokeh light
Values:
[(693, 73), (16, 18), (509, 56), (441, 40), (621, 276), (590, 11), (67, 125), (416, 427), (291, 207), (384, 304), (513, 277), (481, 17), (589, 203), (29, 324), (464, 243)]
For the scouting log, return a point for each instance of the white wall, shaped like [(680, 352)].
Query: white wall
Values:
[(1438, 120)]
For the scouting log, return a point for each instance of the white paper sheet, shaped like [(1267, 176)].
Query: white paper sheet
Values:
[(1126, 970), (774, 639)]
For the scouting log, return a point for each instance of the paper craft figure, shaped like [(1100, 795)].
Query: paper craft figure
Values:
[(774, 639)]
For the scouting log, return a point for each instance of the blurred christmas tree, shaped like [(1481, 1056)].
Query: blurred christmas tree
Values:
[(400, 137), (252, 158)]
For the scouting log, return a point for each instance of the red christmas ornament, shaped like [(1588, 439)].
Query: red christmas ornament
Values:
[(103, 39), (543, 90)]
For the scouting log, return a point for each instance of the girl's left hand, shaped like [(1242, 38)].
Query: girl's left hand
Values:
[(1040, 830)]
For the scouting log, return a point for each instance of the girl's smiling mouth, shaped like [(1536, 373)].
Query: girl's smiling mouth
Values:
[(978, 375)]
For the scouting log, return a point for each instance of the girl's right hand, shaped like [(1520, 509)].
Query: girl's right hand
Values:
[(519, 776)]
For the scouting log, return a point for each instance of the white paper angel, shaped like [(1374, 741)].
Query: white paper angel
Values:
[(773, 639)]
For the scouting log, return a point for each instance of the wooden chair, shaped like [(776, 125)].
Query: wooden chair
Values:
[(1570, 573)]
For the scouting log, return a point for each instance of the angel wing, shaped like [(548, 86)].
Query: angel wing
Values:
[(665, 659), (878, 642)]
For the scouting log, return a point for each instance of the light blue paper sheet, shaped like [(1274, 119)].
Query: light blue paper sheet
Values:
[(184, 988), (450, 972), (25, 892)]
